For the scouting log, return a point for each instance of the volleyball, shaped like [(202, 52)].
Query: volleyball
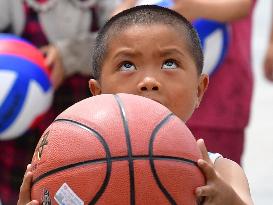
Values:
[(214, 37), (25, 89)]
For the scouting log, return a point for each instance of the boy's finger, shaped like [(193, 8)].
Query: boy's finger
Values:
[(24, 195), (33, 202), (201, 145), (204, 191), (27, 170), (50, 58), (49, 55), (207, 169), (44, 49)]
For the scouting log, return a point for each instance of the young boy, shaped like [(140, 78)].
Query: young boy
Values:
[(155, 52)]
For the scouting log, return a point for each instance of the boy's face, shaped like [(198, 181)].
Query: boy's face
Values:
[(152, 61)]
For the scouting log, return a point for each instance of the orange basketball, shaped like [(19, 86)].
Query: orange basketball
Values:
[(116, 150)]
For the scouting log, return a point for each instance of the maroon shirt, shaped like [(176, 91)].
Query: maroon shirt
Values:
[(226, 103)]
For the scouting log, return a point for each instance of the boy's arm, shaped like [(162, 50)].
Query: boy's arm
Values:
[(25, 190), (226, 181), (234, 175), (219, 10)]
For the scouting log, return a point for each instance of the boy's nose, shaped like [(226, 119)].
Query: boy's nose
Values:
[(149, 84)]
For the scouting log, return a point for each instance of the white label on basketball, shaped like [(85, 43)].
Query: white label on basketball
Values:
[(6, 83), (66, 196)]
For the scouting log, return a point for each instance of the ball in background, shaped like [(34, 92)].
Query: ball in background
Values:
[(25, 89)]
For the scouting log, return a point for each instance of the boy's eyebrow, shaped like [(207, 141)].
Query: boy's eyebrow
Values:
[(169, 51), (128, 52)]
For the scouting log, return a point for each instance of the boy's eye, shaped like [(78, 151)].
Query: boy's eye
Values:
[(169, 64), (127, 66)]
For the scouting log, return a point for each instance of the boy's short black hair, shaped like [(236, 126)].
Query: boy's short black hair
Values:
[(145, 15)]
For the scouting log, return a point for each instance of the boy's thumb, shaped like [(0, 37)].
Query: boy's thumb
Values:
[(202, 147)]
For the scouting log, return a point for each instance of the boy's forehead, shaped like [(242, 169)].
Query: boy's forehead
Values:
[(155, 40), (137, 31)]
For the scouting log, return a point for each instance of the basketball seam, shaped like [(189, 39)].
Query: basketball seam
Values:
[(108, 159), (129, 148), (113, 159), (156, 177)]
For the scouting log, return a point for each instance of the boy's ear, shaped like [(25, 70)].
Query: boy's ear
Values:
[(202, 87), (94, 87)]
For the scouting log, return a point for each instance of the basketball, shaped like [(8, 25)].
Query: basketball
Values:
[(25, 88), (214, 37), (118, 149)]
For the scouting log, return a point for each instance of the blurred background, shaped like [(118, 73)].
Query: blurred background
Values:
[(257, 158)]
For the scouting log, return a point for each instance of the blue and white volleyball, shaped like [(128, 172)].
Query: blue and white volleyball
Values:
[(25, 89), (214, 37)]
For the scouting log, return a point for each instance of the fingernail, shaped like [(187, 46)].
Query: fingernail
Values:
[(198, 192), (200, 161)]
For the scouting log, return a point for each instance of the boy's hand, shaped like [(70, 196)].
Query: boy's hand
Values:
[(25, 189), (216, 191)]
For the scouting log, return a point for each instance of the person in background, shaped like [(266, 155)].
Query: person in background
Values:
[(65, 30), (224, 113)]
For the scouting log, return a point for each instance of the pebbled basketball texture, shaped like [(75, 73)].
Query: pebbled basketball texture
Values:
[(116, 150)]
